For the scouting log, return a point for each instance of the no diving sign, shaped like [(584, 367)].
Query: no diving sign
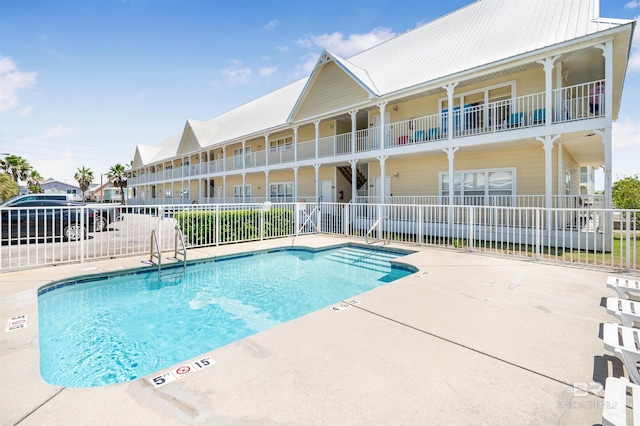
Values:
[(16, 323), (182, 371)]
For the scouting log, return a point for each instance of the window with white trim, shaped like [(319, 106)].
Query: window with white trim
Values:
[(237, 157), (480, 187), (237, 193), (282, 144), (281, 192)]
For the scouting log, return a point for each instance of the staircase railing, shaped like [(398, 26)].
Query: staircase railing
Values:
[(155, 253), (377, 222)]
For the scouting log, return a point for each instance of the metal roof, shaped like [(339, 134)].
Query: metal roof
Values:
[(481, 33)]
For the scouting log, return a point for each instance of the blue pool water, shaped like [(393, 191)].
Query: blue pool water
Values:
[(95, 332)]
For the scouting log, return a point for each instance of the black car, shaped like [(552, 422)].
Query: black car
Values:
[(44, 219)]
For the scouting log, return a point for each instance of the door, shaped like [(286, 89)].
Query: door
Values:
[(326, 193), (376, 188)]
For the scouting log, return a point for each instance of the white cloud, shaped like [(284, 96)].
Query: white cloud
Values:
[(345, 47), (236, 75), (626, 133), (632, 4), (57, 132), (25, 111), (12, 80), (634, 56), (308, 64), (282, 48), (267, 71), (271, 25), (626, 147)]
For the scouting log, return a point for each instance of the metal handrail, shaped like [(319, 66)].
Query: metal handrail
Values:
[(179, 237), (366, 237), (156, 254)]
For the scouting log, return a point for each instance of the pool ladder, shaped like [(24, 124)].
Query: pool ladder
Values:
[(385, 241), (179, 248)]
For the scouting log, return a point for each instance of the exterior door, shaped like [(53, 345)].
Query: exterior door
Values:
[(387, 188), (326, 193)]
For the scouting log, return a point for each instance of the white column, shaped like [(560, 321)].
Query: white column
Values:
[(243, 165), (267, 189), (561, 200), (244, 184), (317, 167), (450, 88), (605, 134), (383, 142), (354, 129), (224, 189), (548, 87), (451, 151), (607, 52), (224, 158), (354, 180), (547, 142), (383, 160), (266, 150), (295, 183), (295, 144), (316, 123)]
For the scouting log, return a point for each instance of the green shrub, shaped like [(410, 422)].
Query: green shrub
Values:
[(200, 227)]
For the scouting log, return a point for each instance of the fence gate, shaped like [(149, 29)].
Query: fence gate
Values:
[(307, 218)]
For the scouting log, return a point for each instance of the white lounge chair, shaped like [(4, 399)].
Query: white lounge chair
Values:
[(624, 286), (614, 407), (624, 343), (627, 311)]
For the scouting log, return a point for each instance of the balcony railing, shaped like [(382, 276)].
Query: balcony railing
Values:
[(572, 103)]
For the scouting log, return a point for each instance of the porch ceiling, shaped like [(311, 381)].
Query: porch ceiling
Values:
[(585, 147)]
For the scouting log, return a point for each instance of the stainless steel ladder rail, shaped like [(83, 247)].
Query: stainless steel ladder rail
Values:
[(377, 222), (179, 238), (155, 253), (179, 248)]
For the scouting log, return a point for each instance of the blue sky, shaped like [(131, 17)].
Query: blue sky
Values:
[(83, 82)]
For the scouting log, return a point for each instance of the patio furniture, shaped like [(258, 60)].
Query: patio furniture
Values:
[(433, 133), (621, 340), (418, 135), (614, 407), (539, 116), (626, 289), (627, 311), (516, 119)]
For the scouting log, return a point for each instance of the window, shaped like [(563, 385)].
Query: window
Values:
[(480, 187), (281, 144), (281, 192), (237, 157), (237, 193), (71, 191)]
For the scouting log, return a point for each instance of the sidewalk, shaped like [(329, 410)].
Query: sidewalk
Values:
[(470, 339)]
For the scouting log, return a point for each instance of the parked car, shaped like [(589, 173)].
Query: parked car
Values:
[(107, 213), (44, 219)]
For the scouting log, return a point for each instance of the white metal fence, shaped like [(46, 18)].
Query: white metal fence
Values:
[(583, 235)]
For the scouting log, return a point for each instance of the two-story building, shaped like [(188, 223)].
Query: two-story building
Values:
[(498, 103)]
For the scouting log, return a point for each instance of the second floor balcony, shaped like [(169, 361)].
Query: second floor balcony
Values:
[(568, 104)]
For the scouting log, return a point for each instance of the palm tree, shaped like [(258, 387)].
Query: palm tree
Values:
[(118, 177), (84, 177), (8, 188), (16, 166), (33, 181)]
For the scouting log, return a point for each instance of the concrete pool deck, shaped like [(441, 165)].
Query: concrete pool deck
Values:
[(470, 339)]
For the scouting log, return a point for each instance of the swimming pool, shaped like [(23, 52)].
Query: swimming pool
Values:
[(105, 330)]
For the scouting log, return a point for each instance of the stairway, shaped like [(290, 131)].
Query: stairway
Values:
[(346, 172)]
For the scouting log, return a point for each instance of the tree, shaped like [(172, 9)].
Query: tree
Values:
[(33, 182), (84, 177), (15, 166), (118, 178), (8, 187), (625, 194)]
